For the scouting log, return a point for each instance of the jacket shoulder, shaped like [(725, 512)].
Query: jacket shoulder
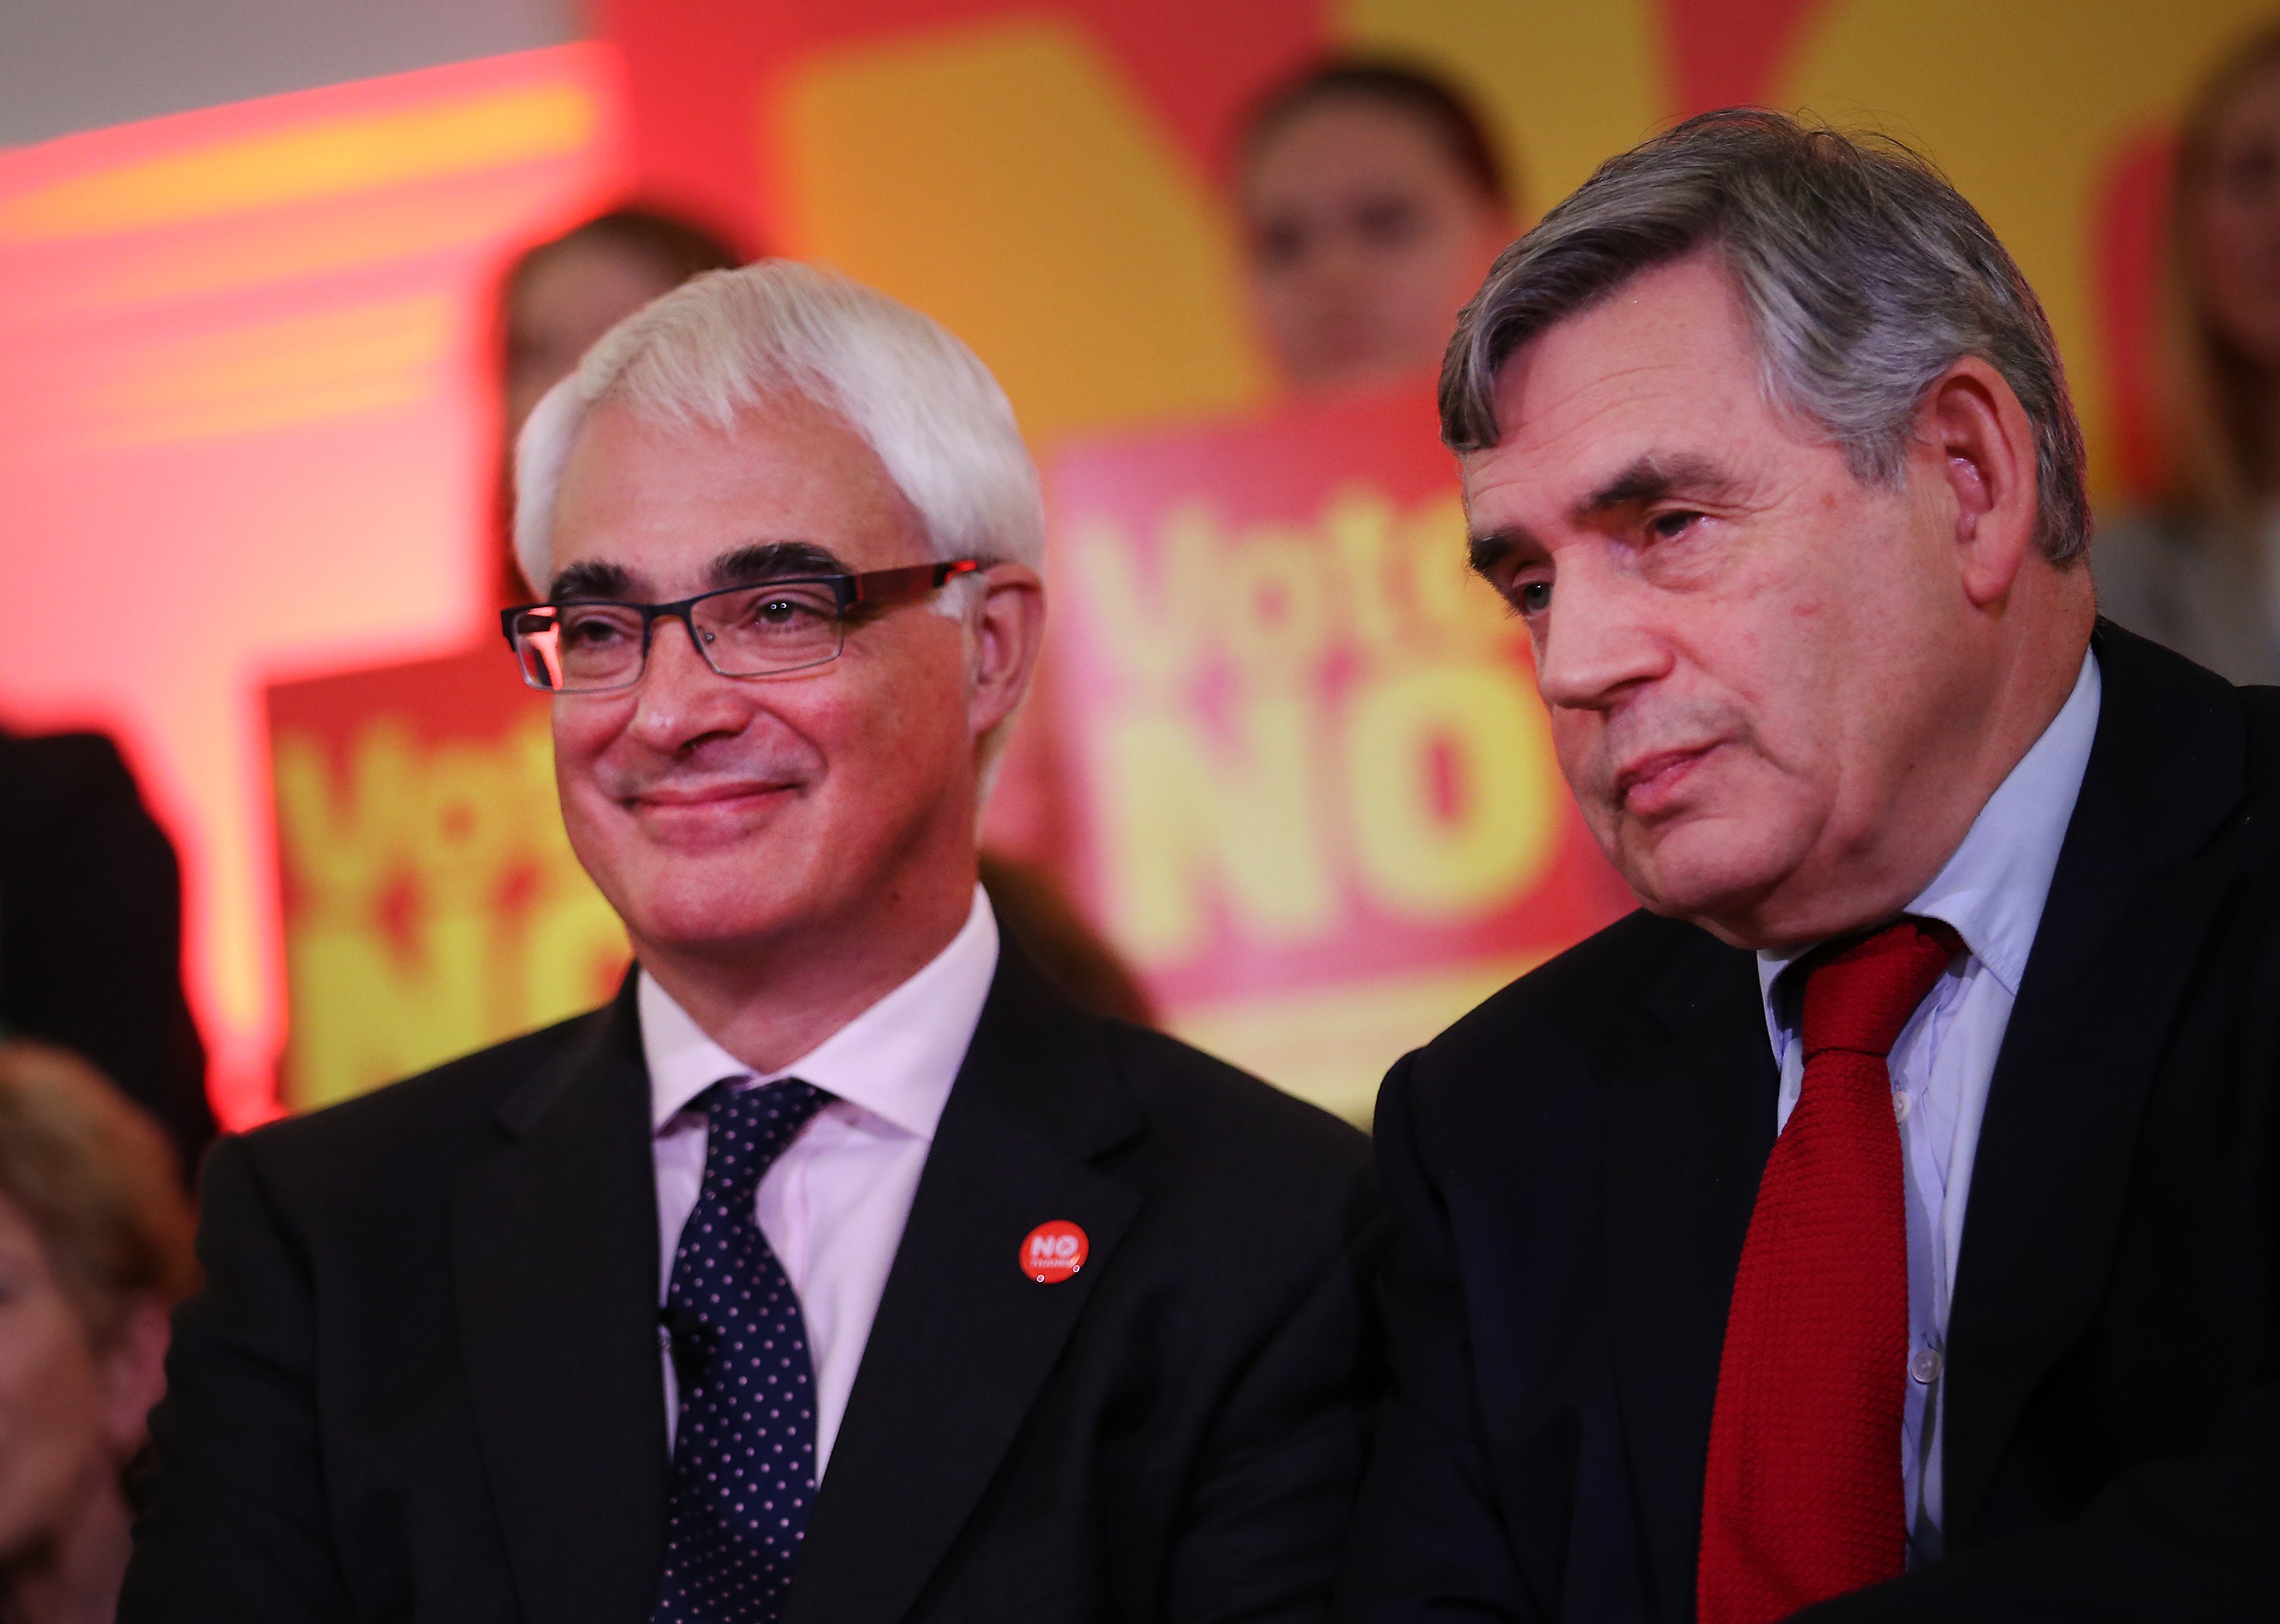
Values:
[(1185, 1090), (2260, 710), (1603, 978), (1532, 1047), (423, 1119)]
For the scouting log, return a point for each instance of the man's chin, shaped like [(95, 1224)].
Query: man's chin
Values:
[(1697, 871), (700, 928), (736, 892)]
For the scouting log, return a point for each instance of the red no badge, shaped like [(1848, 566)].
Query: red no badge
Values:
[(1053, 1252)]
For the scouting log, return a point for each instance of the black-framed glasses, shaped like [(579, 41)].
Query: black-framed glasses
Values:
[(593, 646)]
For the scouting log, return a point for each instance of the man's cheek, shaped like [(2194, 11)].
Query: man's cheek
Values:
[(1578, 740)]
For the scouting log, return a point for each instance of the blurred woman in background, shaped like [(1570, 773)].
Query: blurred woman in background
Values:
[(95, 1250), (559, 295), (1373, 202), (2201, 572)]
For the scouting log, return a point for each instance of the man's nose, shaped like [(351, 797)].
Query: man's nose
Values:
[(1600, 642), (681, 698)]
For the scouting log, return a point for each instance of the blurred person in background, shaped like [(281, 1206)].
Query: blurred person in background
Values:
[(94, 1248), (1373, 202), (558, 297), (91, 927), (2200, 570)]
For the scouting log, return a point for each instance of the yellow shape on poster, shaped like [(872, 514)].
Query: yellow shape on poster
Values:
[(1005, 180), (1417, 862), (445, 832), (1185, 815), (2025, 105)]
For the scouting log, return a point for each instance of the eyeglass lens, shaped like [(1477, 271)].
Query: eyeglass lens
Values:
[(750, 632)]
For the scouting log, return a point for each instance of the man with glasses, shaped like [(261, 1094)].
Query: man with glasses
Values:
[(842, 1268)]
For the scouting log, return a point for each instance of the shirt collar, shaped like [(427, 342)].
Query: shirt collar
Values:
[(897, 1060), (1991, 890)]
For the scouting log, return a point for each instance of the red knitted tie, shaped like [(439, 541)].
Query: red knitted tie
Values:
[(1802, 1498)]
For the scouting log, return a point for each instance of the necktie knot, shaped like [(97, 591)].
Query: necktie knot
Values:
[(1859, 996), (747, 1129)]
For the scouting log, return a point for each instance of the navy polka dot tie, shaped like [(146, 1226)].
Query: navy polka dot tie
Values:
[(743, 1457)]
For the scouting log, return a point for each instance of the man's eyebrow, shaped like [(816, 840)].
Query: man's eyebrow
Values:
[(1484, 553), (1653, 478), (593, 579), (775, 561)]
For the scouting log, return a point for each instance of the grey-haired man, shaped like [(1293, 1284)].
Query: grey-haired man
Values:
[(842, 1268), (1886, 1222)]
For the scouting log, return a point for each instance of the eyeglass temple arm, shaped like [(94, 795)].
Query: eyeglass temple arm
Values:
[(880, 586)]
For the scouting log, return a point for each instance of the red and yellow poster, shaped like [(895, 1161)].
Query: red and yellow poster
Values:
[(1313, 792), (432, 904)]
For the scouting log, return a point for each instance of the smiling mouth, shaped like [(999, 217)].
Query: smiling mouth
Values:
[(700, 797)]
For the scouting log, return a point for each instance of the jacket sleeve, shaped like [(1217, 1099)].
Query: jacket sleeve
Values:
[(1428, 1541), (234, 1530), (1269, 1508), (2191, 1536)]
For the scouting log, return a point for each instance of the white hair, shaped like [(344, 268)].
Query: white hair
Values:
[(720, 344)]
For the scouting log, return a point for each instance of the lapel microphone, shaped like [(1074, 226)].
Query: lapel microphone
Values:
[(689, 1340)]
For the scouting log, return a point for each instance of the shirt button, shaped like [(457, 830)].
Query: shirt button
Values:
[(1899, 1105), (1925, 1366)]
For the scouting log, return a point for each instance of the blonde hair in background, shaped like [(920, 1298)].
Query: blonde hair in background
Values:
[(97, 1179), (2209, 395)]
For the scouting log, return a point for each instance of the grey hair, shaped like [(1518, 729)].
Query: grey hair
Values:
[(718, 345), (1863, 273)]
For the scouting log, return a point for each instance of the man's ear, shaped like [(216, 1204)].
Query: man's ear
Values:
[(1971, 422), (1007, 633)]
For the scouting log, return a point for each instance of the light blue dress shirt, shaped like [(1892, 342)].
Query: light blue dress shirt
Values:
[(1992, 891)]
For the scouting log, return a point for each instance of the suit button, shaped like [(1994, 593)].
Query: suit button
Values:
[(1925, 1366)]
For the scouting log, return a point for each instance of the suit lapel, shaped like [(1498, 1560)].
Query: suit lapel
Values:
[(1690, 1122), (556, 1260), (964, 1340), (2137, 882)]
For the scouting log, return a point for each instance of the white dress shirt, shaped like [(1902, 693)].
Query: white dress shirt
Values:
[(834, 1203), (1992, 890)]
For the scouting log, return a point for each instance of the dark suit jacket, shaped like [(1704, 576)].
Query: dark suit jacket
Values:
[(1571, 1171), (422, 1380), (92, 926)]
